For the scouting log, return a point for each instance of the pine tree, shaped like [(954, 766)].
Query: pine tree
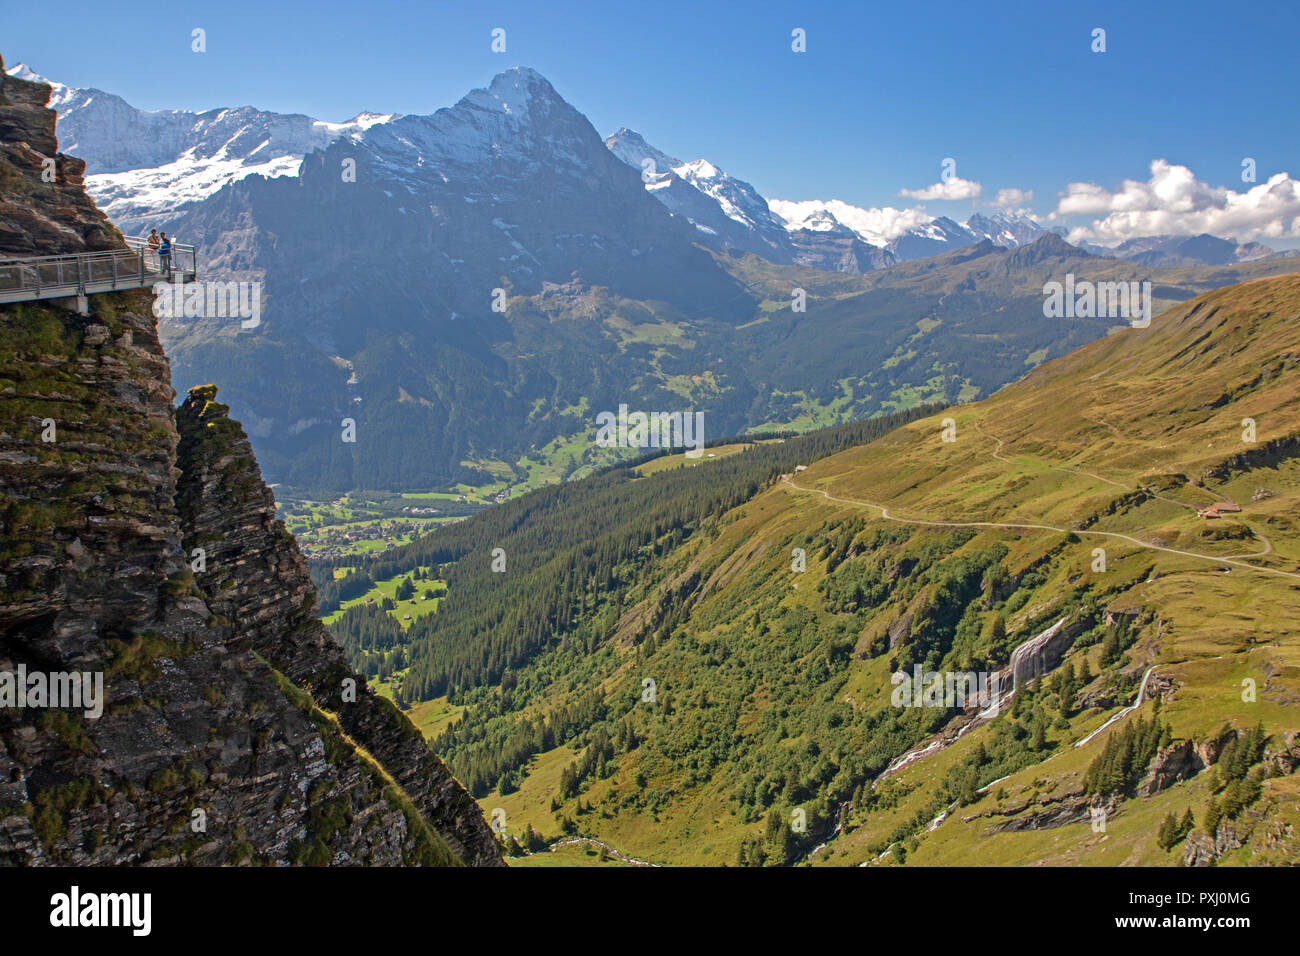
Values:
[(1110, 647), (1212, 817), (1067, 697), (1233, 799), (777, 840), (1038, 740), (1167, 835)]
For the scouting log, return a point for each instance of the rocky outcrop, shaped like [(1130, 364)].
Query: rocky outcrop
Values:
[(1286, 758), (1208, 750), (901, 627), (1041, 653), (215, 741), (256, 578), (1178, 761), (1098, 694), (1069, 808), (44, 209), (203, 753), (1204, 849), (1160, 684)]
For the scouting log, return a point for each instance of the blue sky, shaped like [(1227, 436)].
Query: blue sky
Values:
[(1011, 91)]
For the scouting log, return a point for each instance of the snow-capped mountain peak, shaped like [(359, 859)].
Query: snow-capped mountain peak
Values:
[(362, 121), (511, 91), (144, 165), (731, 213), (516, 121), (876, 227), (22, 71), (59, 93), (700, 170), (904, 233), (1008, 229), (631, 147), (727, 210)]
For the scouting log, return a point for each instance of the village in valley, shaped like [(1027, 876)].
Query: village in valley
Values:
[(361, 524)]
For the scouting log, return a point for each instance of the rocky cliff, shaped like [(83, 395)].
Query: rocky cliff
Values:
[(138, 544), (43, 206)]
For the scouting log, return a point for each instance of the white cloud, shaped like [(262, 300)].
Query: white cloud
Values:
[(1174, 202), (954, 188), (1013, 198)]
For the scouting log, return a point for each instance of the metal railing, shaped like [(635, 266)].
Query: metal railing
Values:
[(82, 273)]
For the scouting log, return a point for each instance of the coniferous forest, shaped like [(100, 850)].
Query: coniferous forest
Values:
[(557, 569)]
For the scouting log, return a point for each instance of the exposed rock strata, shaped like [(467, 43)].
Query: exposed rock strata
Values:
[(223, 738)]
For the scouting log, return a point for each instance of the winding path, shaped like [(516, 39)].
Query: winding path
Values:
[(612, 851), (940, 743), (1016, 526)]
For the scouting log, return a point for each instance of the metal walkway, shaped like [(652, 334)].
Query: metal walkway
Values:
[(77, 275)]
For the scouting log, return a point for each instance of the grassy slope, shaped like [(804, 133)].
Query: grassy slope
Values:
[(1154, 407), (416, 607), (1145, 406)]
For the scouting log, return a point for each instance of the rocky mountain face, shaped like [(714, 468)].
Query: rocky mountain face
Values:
[(838, 249), (408, 252), (1005, 229), (727, 213), (138, 545)]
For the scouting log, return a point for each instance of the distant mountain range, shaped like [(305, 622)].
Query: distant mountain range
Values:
[(1187, 250), (145, 165), (730, 214), (473, 286)]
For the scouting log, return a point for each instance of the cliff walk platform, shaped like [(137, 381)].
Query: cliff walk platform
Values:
[(77, 275)]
